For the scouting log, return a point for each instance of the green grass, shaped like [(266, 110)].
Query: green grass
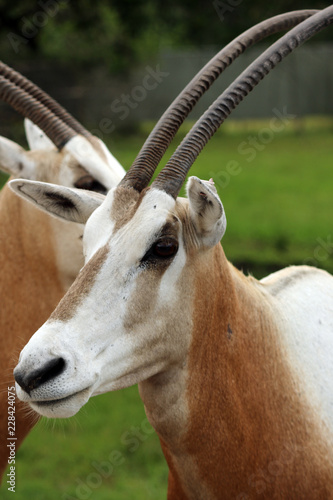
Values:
[(107, 452), (279, 212)]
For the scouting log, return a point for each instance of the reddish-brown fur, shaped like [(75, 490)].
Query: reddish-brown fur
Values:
[(30, 289), (250, 433)]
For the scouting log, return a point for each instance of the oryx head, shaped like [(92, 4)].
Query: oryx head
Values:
[(61, 152), (126, 318), (129, 314), (76, 165)]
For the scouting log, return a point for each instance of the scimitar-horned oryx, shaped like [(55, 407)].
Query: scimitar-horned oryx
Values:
[(235, 374), (40, 256), (65, 239)]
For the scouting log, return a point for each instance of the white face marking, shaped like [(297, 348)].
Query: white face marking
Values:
[(109, 175), (169, 279), (113, 338), (99, 228)]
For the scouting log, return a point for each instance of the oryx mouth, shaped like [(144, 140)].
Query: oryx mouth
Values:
[(51, 402)]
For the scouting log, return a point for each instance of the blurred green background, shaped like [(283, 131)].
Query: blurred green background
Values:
[(276, 185)]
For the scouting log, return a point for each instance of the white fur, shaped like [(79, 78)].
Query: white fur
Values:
[(206, 210), (14, 161), (94, 337), (36, 137), (85, 201), (305, 312), (109, 174)]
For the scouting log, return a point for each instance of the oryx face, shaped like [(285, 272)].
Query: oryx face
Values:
[(127, 316)]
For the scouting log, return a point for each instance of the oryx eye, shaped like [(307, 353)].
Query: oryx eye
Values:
[(165, 248), (160, 252), (88, 182)]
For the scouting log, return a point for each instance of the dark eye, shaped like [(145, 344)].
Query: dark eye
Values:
[(165, 248), (91, 184)]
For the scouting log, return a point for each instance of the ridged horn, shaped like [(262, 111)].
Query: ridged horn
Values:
[(41, 96), (166, 128), (172, 176), (27, 105)]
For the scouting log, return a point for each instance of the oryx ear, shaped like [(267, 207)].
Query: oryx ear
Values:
[(36, 137), (75, 205), (13, 159), (206, 211)]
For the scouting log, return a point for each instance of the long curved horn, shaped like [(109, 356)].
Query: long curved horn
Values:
[(171, 178), (41, 96), (58, 131), (164, 131)]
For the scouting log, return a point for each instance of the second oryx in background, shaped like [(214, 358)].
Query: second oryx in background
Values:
[(40, 256)]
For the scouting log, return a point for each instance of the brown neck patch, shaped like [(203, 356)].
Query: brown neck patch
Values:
[(250, 433)]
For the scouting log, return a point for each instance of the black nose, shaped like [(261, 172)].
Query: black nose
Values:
[(36, 378)]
